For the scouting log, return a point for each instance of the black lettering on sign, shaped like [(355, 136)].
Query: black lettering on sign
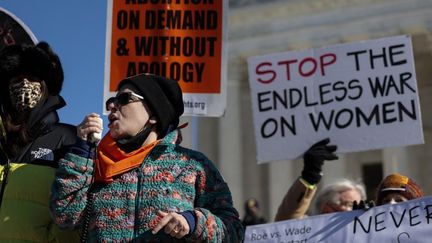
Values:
[(428, 213), (181, 19), (257, 236), (122, 50), (128, 20), (388, 85), (389, 112), (359, 222), (387, 56), (187, 72), (380, 221), (413, 215), (175, 46), (281, 126)]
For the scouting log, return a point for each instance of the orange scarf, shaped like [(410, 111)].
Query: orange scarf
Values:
[(112, 161)]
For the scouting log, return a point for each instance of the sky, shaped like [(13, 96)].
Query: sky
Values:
[(76, 32)]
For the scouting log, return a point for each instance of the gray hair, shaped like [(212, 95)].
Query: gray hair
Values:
[(329, 194)]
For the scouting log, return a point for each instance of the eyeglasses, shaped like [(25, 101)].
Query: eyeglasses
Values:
[(347, 205), (122, 99)]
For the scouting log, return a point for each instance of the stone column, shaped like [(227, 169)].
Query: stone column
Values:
[(281, 176), (230, 143)]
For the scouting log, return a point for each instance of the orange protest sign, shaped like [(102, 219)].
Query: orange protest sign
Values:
[(178, 39)]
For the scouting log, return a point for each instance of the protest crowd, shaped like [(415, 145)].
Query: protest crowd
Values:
[(181, 193)]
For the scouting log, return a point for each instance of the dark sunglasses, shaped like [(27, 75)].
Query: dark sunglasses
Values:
[(122, 99)]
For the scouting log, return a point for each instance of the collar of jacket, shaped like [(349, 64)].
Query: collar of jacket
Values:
[(44, 115)]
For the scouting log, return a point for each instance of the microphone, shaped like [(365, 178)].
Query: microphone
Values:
[(95, 137)]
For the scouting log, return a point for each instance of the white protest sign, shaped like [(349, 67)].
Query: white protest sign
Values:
[(362, 95), (410, 221)]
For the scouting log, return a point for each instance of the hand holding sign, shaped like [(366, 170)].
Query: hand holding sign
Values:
[(363, 205), (314, 159)]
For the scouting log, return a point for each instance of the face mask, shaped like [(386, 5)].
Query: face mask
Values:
[(25, 94), (130, 144)]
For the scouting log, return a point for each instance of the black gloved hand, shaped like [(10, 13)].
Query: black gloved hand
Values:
[(313, 160), (363, 205)]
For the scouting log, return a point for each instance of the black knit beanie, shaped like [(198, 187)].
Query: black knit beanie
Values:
[(37, 61), (163, 96)]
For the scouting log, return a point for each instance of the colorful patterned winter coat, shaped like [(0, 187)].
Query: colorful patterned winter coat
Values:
[(171, 178)]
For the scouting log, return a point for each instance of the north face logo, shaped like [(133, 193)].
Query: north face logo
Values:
[(43, 153)]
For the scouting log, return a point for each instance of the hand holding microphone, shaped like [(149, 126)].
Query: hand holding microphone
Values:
[(95, 137), (90, 129)]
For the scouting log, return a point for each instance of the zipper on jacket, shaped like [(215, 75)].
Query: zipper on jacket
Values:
[(137, 200)]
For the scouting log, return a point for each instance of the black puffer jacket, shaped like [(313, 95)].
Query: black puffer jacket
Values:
[(52, 137)]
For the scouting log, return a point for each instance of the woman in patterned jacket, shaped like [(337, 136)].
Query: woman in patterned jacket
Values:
[(142, 185)]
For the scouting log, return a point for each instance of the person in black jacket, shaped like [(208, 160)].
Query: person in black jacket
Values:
[(32, 140), (31, 79)]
